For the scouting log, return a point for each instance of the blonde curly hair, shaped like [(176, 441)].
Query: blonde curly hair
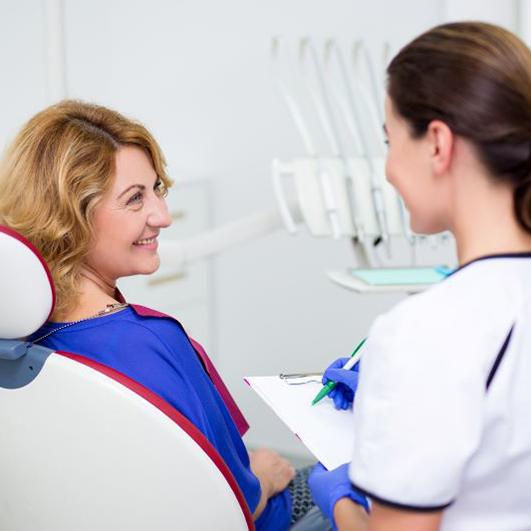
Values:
[(53, 175)]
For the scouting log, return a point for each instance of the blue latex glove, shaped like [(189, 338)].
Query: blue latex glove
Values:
[(347, 382), (328, 487)]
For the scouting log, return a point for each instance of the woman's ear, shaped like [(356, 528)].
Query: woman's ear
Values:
[(441, 143)]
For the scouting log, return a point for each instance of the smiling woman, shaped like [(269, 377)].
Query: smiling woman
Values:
[(442, 410), (59, 184), (87, 187)]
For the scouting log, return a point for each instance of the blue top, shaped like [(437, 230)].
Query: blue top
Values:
[(157, 353)]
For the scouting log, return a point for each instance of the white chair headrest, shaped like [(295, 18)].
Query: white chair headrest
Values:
[(27, 293)]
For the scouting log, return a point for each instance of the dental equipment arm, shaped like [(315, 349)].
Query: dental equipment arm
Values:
[(176, 254)]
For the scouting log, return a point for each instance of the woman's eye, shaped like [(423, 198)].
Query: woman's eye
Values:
[(135, 198), (160, 188)]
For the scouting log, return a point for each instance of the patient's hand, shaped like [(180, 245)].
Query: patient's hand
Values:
[(274, 473)]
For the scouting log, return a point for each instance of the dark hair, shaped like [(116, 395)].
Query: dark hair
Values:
[(476, 78)]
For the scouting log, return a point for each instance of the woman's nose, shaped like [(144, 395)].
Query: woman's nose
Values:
[(160, 216)]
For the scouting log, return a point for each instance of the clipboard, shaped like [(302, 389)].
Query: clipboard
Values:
[(328, 433)]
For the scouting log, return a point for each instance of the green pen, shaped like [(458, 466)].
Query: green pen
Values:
[(350, 363)]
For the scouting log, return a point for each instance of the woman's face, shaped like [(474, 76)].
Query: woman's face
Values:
[(128, 219), (409, 168)]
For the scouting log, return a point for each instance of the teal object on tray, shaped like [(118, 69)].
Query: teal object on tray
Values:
[(402, 275)]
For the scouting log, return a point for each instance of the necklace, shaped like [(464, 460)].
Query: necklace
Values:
[(109, 308)]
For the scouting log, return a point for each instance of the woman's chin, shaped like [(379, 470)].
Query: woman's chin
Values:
[(148, 267)]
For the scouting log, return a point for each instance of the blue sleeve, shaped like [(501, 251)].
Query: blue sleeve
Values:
[(277, 513)]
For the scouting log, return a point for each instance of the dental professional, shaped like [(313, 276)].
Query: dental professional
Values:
[(442, 410), (87, 187)]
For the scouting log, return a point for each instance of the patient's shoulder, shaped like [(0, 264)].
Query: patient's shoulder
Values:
[(143, 328)]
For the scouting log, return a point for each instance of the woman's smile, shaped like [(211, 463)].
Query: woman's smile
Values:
[(148, 244)]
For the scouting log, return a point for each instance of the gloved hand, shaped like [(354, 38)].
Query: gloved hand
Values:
[(347, 382), (328, 487)]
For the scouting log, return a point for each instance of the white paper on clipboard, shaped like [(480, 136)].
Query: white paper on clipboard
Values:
[(326, 432)]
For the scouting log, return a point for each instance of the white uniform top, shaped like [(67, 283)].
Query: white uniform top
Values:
[(443, 409)]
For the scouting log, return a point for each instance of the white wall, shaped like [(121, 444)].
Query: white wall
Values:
[(501, 12), (22, 59), (524, 20), (197, 73)]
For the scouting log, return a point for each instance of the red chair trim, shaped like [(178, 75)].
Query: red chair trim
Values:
[(177, 417)]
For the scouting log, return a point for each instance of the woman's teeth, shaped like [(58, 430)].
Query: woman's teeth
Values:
[(147, 241)]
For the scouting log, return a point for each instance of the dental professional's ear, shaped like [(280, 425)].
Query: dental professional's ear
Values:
[(441, 142)]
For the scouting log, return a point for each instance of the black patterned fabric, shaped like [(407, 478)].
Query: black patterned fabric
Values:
[(300, 494)]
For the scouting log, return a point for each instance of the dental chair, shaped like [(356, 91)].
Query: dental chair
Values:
[(83, 447)]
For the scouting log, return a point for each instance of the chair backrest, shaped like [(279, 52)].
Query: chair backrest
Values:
[(84, 447)]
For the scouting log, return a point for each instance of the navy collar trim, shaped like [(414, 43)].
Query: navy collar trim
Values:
[(525, 254)]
